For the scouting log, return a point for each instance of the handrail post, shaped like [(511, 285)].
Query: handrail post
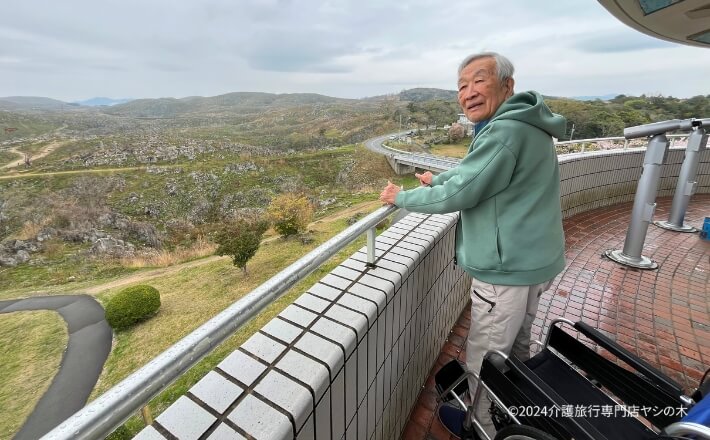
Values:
[(644, 207), (147, 415), (686, 186), (371, 247)]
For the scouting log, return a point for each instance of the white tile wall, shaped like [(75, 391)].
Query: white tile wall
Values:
[(347, 359)]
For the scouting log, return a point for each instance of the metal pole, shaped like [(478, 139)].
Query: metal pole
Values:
[(644, 206), (697, 141), (371, 247)]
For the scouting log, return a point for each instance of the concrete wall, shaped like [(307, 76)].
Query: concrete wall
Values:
[(347, 359), (398, 167), (601, 178)]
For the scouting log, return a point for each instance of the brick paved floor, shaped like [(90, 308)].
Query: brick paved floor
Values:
[(661, 315)]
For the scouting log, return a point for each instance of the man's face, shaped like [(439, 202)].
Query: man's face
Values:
[(480, 92)]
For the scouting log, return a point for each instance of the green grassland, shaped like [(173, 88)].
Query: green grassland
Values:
[(31, 347), (204, 192), (346, 176), (8, 156), (27, 125), (457, 149)]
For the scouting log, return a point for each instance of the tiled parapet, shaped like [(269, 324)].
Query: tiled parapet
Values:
[(347, 359), (602, 178)]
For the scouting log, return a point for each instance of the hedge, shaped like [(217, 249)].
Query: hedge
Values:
[(131, 305)]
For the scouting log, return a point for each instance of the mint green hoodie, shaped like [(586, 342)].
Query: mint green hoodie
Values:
[(508, 191)]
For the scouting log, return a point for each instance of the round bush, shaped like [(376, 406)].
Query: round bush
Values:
[(131, 305)]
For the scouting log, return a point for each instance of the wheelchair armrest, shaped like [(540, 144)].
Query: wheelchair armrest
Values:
[(629, 358), (683, 429)]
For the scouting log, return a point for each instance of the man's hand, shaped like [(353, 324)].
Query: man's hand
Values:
[(390, 193), (424, 179)]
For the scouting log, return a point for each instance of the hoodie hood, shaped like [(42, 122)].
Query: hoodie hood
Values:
[(529, 107)]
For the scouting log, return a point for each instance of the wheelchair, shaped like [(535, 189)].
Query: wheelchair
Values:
[(568, 391)]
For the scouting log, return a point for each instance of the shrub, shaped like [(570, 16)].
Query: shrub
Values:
[(456, 132), (290, 214), (240, 240), (131, 305)]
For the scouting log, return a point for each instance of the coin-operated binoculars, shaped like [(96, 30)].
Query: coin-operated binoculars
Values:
[(646, 191), (687, 185)]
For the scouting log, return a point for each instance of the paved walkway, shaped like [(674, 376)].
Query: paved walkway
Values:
[(88, 347), (662, 315)]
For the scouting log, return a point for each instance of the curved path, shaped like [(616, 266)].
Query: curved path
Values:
[(88, 347), (45, 151), (375, 144)]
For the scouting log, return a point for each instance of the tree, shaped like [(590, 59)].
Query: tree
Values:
[(456, 132), (290, 213), (240, 240)]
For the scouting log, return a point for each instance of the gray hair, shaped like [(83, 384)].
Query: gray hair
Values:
[(504, 68)]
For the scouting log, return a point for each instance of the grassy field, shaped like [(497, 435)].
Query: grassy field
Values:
[(349, 177), (33, 202), (24, 279), (452, 150), (31, 347), (8, 156)]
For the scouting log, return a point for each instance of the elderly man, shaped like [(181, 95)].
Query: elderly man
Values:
[(509, 237)]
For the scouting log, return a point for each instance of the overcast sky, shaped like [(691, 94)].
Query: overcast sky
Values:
[(78, 49)]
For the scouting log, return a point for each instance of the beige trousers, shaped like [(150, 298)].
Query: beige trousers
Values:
[(501, 319)]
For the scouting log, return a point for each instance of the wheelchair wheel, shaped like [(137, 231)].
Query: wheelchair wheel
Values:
[(522, 432)]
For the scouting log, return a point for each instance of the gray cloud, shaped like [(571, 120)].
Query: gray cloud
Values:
[(349, 48), (298, 51), (627, 41)]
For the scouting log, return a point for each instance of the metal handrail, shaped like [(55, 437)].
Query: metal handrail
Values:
[(100, 417), (613, 138)]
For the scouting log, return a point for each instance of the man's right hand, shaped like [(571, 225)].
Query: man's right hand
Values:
[(424, 179)]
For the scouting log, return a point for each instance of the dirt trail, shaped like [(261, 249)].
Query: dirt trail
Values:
[(145, 276), (45, 151), (163, 271), (57, 173)]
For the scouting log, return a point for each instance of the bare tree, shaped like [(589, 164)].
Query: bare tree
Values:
[(28, 160)]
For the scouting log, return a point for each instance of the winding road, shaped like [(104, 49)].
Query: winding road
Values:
[(88, 347)]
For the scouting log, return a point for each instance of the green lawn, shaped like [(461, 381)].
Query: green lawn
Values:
[(31, 348), (458, 149)]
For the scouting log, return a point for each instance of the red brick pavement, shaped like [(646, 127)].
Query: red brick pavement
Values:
[(661, 315)]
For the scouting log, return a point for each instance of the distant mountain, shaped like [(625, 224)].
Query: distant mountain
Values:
[(427, 94), (418, 94), (101, 101), (592, 98), (31, 103), (238, 102)]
